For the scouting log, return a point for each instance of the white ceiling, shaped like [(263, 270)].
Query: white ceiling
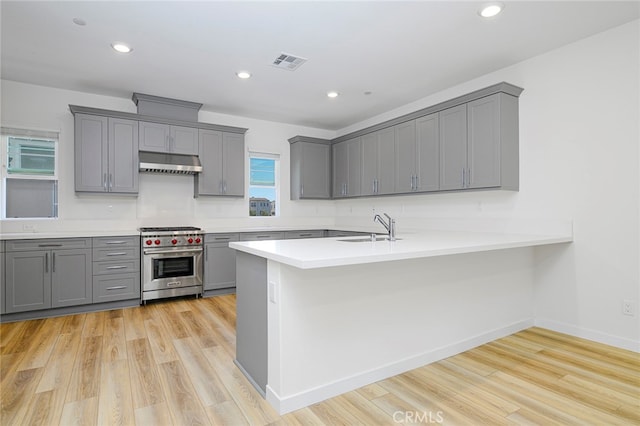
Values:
[(399, 51)]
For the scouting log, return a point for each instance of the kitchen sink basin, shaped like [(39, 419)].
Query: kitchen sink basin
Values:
[(366, 240)]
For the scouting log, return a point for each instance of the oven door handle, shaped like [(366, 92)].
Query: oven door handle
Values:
[(191, 250)]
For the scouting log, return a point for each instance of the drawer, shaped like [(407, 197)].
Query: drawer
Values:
[(221, 238), (111, 242), (48, 244), (257, 236), (117, 287), (118, 267), (116, 253), (316, 233)]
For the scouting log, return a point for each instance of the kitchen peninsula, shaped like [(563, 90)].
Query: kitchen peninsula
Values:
[(316, 318)]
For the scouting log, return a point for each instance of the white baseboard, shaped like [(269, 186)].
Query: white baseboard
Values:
[(290, 403), (596, 336)]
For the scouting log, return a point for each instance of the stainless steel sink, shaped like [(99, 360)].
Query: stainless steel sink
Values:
[(367, 240)]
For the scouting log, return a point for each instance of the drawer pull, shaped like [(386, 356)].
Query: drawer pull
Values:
[(116, 267), (306, 235), (262, 236), (222, 238), (117, 287), (116, 242), (49, 245), (120, 253)]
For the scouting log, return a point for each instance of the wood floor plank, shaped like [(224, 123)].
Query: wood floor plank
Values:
[(153, 415), (84, 412), (16, 392), (115, 405), (115, 342), (226, 413), (73, 323), (42, 343), (85, 377), (184, 406), (172, 321), (94, 324), (372, 391), (20, 342), (143, 373), (134, 323), (204, 377), (161, 345), (204, 333)]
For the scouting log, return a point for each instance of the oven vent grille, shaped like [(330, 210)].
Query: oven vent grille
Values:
[(288, 62)]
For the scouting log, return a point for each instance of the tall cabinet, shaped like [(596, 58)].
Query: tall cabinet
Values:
[(222, 158), (106, 154)]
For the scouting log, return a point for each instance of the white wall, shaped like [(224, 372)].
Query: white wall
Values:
[(579, 160), (162, 199)]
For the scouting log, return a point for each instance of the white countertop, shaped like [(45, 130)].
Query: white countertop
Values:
[(327, 252)]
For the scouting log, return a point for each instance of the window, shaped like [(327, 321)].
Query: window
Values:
[(29, 174), (263, 184)]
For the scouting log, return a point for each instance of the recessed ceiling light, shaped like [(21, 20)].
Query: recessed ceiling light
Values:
[(243, 74), (79, 21), (491, 10), (332, 94), (121, 47)]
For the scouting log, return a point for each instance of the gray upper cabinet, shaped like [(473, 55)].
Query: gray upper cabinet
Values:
[(222, 158), (106, 154), (417, 155), (453, 147), (310, 168), (42, 274), (492, 126), (378, 162), (158, 137), (347, 160), (479, 144)]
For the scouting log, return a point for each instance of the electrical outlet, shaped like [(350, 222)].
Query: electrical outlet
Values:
[(629, 308)]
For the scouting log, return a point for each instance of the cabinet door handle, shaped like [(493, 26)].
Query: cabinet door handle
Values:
[(116, 267), (463, 177), (110, 181), (46, 262), (224, 187), (115, 242), (53, 262), (104, 181), (301, 190), (49, 245), (417, 182), (469, 178), (116, 287), (206, 254), (120, 253)]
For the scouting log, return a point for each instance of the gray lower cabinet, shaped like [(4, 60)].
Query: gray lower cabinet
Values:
[(116, 268), (310, 168), (313, 233), (347, 160), (219, 261), (43, 274), (257, 236), (378, 158), (222, 158), (158, 137), (106, 154), (2, 282)]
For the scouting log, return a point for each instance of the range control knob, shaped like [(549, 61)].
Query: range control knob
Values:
[(198, 240), (157, 242), (190, 240), (149, 242), (174, 241)]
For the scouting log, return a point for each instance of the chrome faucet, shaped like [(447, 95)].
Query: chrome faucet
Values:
[(390, 226)]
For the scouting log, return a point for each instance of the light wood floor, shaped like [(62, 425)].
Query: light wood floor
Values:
[(172, 363)]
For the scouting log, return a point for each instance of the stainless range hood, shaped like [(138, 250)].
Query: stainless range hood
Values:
[(158, 162)]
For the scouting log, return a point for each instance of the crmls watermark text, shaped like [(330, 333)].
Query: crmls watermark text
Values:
[(428, 417)]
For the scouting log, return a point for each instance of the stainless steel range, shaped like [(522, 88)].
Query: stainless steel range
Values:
[(171, 262)]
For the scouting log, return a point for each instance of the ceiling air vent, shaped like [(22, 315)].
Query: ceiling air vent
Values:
[(288, 62)]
